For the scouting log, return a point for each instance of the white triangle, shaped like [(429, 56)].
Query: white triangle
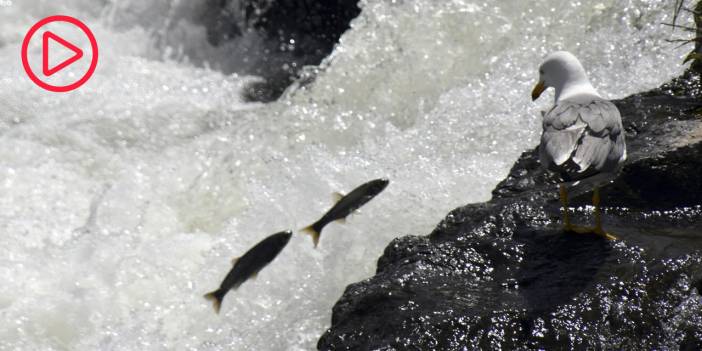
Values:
[(58, 53), (50, 40)]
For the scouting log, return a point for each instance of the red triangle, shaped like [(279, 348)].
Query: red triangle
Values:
[(77, 53)]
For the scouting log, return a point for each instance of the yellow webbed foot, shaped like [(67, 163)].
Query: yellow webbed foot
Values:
[(597, 229), (576, 229), (602, 233), (589, 230)]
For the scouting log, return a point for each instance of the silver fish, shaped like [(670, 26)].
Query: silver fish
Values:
[(248, 265), (345, 205)]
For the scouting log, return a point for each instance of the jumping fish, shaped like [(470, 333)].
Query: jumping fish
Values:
[(248, 265), (345, 205)]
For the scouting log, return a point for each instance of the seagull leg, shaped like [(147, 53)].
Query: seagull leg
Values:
[(596, 203), (598, 218), (569, 227), (563, 192)]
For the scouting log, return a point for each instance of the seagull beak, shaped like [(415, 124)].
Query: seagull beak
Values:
[(538, 89)]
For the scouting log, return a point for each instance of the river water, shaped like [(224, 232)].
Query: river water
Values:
[(122, 203)]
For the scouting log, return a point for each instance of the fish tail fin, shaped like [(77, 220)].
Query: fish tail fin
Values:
[(313, 232), (216, 298)]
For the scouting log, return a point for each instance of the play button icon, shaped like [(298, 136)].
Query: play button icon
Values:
[(51, 37), (59, 53)]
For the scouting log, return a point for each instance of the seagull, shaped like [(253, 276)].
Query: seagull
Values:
[(583, 136)]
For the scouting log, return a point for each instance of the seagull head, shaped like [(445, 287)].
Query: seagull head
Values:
[(562, 71)]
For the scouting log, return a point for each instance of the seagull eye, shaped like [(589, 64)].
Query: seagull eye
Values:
[(541, 71)]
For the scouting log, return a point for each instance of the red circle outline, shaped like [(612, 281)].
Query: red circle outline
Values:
[(93, 46)]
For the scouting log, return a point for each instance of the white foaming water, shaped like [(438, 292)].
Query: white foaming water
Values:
[(184, 176)]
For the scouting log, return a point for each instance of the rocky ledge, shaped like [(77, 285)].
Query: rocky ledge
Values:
[(503, 275)]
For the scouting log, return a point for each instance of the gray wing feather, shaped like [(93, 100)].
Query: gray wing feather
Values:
[(558, 145), (587, 134), (592, 151), (561, 116), (618, 153), (592, 116)]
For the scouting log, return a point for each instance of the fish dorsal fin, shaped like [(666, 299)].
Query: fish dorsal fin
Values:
[(235, 260), (337, 196)]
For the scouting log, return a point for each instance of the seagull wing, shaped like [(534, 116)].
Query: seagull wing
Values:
[(582, 138)]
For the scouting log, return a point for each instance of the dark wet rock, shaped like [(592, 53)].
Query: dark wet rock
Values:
[(503, 275), (292, 34)]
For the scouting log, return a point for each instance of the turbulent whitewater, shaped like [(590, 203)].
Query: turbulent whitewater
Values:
[(123, 202)]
